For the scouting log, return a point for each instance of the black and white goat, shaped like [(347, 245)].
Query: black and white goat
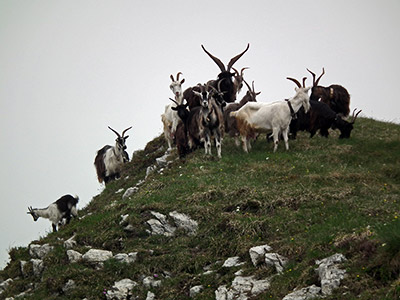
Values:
[(109, 159), (63, 208)]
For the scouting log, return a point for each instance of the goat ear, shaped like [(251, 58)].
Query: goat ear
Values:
[(174, 108), (183, 80), (125, 137)]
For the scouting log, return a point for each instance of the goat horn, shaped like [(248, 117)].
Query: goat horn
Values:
[(172, 78), (173, 101), (295, 81), (114, 131), (177, 76), (323, 72), (123, 132), (235, 59), (248, 86), (304, 82), (313, 75), (355, 117), (215, 59), (241, 71), (236, 71)]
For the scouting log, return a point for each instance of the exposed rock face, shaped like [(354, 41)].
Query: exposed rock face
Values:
[(257, 254), (4, 285), (121, 290), (39, 251), (242, 288), (69, 286), (161, 226), (38, 266)]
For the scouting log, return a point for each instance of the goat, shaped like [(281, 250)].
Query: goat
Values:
[(230, 122), (109, 159), (181, 133), (336, 96), (256, 117), (238, 80), (224, 79), (61, 209), (169, 118), (205, 121), (321, 117)]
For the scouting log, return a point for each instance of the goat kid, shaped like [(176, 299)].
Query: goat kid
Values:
[(169, 118), (63, 208), (256, 117), (109, 159)]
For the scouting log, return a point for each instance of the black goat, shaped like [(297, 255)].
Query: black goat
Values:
[(61, 209), (336, 96), (224, 79), (321, 117), (181, 133)]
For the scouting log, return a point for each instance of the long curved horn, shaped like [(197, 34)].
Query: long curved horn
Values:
[(235, 59), (355, 117), (304, 82), (236, 71), (177, 76), (215, 59), (248, 86), (114, 131), (173, 101), (313, 75), (323, 72), (123, 132), (295, 81)]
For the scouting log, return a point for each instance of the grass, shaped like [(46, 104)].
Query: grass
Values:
[(321, 197)]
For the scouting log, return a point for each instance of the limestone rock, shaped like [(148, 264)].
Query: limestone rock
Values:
[(329, 273), (232, 262), (195, 290), (185, 222), (69, 286), (257, 254), (121, 290), (4, 285), (129, 192), (150, 296), (126, 258), (276, 260), (38, 266), (308, 293), (151, 282), (70, 243), (160, 225), (74, 256), (39, 251), (96, 255), (242, 288)]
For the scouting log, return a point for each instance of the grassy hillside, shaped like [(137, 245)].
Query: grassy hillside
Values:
[(321, 197)]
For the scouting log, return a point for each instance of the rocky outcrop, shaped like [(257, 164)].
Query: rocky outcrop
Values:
[(121, 290), (160, 225)]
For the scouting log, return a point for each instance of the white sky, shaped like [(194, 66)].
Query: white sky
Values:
[(68, 69)]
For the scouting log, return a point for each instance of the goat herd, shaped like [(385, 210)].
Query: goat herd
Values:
[(209, 110)]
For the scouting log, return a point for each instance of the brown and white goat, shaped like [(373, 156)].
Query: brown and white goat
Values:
[(230, 122), (170, 118), (109, 159), (336, 96), (275, 117)]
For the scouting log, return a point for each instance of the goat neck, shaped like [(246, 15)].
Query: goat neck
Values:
[(300, 99)]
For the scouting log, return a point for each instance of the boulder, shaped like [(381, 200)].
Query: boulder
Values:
[(150, 296), (37, 266), (160, 225), (129, 192), (233, 262), (242, 288), (97, 256), (308, 293), (195, 290), (329, 273), (126, 258)]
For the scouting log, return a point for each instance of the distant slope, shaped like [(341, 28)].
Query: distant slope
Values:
[(323, 196)]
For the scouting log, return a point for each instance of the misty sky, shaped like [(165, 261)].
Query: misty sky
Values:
[(69, 69)]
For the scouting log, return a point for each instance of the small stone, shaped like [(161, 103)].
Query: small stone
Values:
[(129, 192), (257, 254), (74, 256), (195, 290), (233, 262)]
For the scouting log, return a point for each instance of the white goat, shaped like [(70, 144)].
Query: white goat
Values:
[(256, 117), (61, 209), (170, 117), (109, 159)]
